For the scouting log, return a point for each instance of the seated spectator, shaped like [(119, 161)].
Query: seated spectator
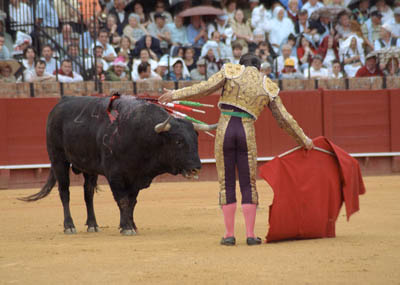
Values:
[(8, 41), (178, 52), (199, 73), (343, 27), (385, 39), (352, 55), (112, 28), (266, 69), (230, 9), (196, 32), (8, 68), (289, 72), (384, 9), (361, 14), (47, 57), (292, 10), (65, 73), (258, 37), (124, 50), (178, 33), (222, 26), (189, 58), (212, 64), (97, 72), (163, 66), (303, 25), (97, 57), (316, 70), (241, 30), (370, 69), (150, 43), (109, 53), (120, 16), (392, 67), (145, 72), (29, 59), (263, 52), (179, 71), (88, 38), (4, 52), (159, 30), (279, 28), (371, 29), (329, 51), (305, 51), (260, 17), (311, 6), (76, 58), (395, 23), (143, 57), (237, 51), (138, 10), (321, 28), (335, 72), (64, 38), (118, 71), (160, 9), (220, 50), (279, 62), (39, 74), (134, 31)]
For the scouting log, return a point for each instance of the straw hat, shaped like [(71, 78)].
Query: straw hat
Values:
[(12, 63)]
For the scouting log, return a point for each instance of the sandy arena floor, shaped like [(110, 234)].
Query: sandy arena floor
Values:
[(180, 227)]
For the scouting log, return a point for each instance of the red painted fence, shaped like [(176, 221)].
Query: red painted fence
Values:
[(359, 121)]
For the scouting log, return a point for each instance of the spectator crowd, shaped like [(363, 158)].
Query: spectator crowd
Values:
[(121, 40)]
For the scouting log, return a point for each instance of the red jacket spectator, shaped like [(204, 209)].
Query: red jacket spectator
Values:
[(370, 68)]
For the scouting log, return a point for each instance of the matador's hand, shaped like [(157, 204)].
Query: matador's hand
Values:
[(309, 144), (166, 97)]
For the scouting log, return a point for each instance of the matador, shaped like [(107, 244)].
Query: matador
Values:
[(245, 93)]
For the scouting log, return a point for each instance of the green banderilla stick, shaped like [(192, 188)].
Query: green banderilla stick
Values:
[(193, 104)]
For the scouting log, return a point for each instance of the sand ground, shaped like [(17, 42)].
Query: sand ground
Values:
[(180, 227)]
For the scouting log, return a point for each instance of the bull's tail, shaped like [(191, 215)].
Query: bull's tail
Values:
[(46, 189)]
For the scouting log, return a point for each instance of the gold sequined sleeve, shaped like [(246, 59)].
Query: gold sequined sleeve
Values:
[(286, 121), (201, 89)]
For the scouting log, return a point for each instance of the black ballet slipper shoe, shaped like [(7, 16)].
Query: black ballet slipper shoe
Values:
[(229, 241), (253, 241)]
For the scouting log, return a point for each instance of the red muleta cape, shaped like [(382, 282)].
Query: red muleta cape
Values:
[(309, 189)]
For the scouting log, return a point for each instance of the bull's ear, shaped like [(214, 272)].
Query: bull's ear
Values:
[(164, 126), (204, 127)]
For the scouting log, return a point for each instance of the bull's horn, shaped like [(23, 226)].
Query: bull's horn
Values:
[(164, 126), (204, 127)]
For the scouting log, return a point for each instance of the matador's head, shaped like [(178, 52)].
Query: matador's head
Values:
[(250, 59)]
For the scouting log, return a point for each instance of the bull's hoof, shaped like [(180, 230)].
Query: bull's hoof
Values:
[(70, 231), (129, 232), (93, 229)]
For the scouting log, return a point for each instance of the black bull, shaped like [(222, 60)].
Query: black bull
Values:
[(130, 145)]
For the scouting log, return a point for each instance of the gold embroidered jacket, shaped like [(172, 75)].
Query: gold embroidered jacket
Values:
[(246, 89)]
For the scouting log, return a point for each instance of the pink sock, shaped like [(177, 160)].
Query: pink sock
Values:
[(229, 219), (249, 213)]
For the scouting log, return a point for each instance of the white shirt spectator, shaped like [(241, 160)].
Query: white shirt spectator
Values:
[(107, 50), (21, 16), (279, 28), (311, 8), (67, 79), (51, 65), (318, 74), (260, 17), (31, 76)]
